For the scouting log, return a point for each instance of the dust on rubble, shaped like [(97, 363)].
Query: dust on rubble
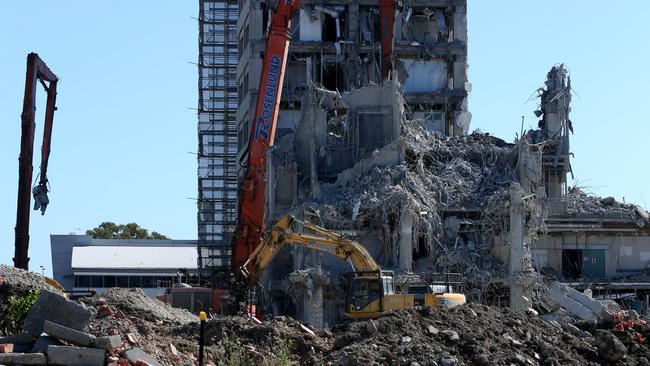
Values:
[(468, 334)]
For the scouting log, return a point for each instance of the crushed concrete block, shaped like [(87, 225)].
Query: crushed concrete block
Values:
[(108, 342), (6, 347), (136, 354), (65, 355), (577, 303), (57, 309), (21, 338), (67, 334), (43, 342), (22, 359)]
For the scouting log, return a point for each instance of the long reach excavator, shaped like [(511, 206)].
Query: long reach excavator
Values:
[(371, 290)]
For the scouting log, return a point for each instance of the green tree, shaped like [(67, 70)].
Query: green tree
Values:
[(111, 230)]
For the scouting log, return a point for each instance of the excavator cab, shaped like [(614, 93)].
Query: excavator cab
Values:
[(369, 294)]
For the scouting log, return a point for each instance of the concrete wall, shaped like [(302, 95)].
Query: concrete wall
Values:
[(624, 252)]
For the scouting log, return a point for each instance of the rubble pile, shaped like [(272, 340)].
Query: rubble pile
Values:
[(466, 174), (582, 204)]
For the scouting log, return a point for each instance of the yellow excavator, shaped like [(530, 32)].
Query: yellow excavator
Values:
[(370, 291)]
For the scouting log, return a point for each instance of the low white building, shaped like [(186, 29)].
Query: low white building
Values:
[(83, 264)]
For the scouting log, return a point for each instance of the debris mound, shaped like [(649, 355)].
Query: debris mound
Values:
[(133, 302)]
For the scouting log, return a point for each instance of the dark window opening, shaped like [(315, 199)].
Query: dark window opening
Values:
[(122, 281), (572, 263), (135, 281), (329, 29), (421, 250), (96, 281), (109, 281), (333, 78), (147, 282)]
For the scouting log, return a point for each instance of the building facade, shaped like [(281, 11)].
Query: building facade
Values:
[(82, 264)]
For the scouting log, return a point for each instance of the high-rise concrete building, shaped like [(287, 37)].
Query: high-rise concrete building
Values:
[(217, 132), (336, 46)]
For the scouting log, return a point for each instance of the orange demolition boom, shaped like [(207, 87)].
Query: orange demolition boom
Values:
[(250, 228)]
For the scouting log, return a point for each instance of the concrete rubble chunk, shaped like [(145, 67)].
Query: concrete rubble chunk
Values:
[(108, 342), (57, 309), (21, 338), (66, 355), (577, 303), (22, 359), (68, 334), (43, 342), (136, 354), (609, 347)]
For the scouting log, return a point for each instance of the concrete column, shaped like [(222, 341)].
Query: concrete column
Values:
[(353, 22), (406, 223), (516, 238), (460, 24)]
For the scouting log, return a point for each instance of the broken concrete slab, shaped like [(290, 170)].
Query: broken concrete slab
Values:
[(66, 355), (577, 303), (22, 359), (21, 338), (68, 334), (43, 342), (108, 342), (136, 354), (57, 309)]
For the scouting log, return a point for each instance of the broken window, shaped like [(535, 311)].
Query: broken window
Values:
[(425, 26), (374, 130)]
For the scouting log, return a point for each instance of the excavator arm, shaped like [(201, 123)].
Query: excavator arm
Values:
[(323, 240), (252, 199), (37, 71)]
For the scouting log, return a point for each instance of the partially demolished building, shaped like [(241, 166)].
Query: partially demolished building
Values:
[(391, 164)]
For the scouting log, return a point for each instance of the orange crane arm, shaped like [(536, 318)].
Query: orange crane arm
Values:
[(252, 200), (386, 24)]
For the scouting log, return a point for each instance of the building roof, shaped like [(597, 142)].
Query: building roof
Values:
[(134, 257)]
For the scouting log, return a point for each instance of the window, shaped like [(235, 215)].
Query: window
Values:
[(96, 281), (364, 292), (147, 282), (135, 281), (122, 281), (109, 281), (83, 281)]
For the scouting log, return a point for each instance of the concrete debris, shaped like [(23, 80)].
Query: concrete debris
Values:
[(22, 359), (581, 204), (133, 302), (20, 278), (51, 306), (135, 355), (65, 355), (609, 347), (577, 303), (68, 335), (43, 342)]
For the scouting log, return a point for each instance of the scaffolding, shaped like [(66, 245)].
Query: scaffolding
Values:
[(217, 136)]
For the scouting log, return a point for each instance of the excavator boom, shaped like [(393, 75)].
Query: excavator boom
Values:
[(37, 71), (282, 235), (250, 228)]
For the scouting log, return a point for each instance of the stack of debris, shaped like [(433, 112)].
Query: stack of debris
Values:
[(452, 193), (123, 327)]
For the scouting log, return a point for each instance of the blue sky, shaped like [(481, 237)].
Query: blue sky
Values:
[(125, 132)]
